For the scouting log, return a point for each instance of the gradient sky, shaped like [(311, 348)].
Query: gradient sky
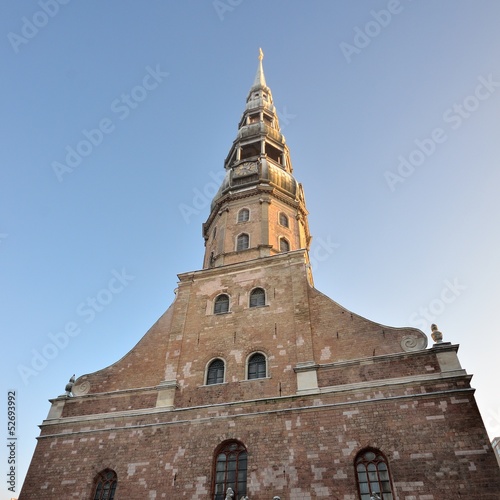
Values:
[(363, 89)]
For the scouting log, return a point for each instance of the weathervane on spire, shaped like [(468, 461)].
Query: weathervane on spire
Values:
[(261, 55)]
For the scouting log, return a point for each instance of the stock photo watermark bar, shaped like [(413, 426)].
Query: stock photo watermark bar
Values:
[(11, 441)]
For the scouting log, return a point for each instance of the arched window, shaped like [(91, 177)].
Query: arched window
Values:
[(105, 485), (257, 297), (256, 366), (284, 245), (373, 475), (221, 304), (215, 372), (283, 219), (244, 215), (242, 242), (230, 470), (214, 233)]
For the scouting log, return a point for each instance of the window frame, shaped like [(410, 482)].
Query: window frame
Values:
[(264, 362), (253, 293), (284, 216), (210, 366), (241, 235), (229, 448), (239, 218), (218, 300), (284, 240), (100, 481), (379, 459)]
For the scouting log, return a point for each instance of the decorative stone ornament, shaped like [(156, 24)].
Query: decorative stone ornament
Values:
[(436, 335), (69, 386)]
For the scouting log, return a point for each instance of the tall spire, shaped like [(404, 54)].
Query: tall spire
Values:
[(259, 210), (260, 79)]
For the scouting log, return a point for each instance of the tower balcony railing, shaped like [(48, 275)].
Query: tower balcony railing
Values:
[(259, 129)]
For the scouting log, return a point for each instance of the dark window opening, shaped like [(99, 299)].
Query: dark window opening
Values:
[(242, 242), (230, 471), (215, 372), (106, 483), (273, 153), (283, 219), (373, 475), (257, 366), (250, 150), (284, 245), (221, 304), (257, 297), (244, 215)]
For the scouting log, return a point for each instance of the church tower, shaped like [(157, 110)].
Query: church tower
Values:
[(253, 384), (259, 210)]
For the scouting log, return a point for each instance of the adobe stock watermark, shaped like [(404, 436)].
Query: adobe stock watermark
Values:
[(321, 250), (202, 198), (454, 117), (121, 107), (87, 311), (363, 36), (285, 117), (31, 27), (427, 315), (222, 7)]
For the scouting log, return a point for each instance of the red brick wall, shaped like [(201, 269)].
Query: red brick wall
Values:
[(435, 445)]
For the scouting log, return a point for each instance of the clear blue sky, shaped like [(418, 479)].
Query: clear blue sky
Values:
[(364, 89)]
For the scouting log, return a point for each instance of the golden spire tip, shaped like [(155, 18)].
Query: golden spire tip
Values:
[(261, 55)]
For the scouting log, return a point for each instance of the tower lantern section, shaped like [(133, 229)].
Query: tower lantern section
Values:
[(259, 210)]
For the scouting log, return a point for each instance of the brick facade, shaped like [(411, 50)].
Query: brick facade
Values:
[(336, 385), (413, 404)]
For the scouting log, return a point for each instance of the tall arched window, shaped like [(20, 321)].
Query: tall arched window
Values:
[(242, 242), (257, 297), (105, 485), (257, 366), (373, 475), (215, 372), (221, 304), (244, 215), (230, 470), (283, 219), (284, 245)]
